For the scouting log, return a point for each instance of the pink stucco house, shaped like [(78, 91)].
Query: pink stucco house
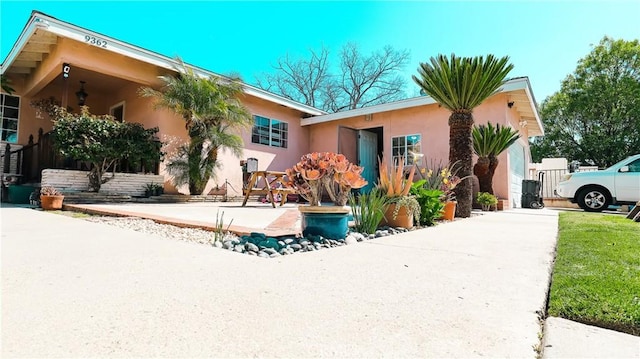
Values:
[(112, 71)]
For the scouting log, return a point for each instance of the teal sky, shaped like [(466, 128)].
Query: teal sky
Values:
[(544, 39)]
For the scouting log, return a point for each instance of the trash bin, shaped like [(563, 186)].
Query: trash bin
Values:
[(531, 194)]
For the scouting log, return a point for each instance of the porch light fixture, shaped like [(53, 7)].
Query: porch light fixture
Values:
[(510, 104), (81, 94)]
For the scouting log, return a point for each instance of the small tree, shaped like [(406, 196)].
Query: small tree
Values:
[(488, 143), (213, 116), (461, 84), (102, 141)]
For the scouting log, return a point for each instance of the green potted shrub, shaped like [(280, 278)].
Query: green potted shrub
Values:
[(486, 200), (50, 198)]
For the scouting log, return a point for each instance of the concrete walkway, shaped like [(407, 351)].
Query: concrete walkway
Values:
[(567, 339), (471, 288)]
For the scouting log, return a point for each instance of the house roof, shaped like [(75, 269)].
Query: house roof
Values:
[(42, 31), (518, 89)]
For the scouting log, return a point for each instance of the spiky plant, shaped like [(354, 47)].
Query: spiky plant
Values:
[(488, 142), (460, 84), (213, 116)]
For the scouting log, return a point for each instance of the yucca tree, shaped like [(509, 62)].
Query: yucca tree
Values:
[(489, 141), (460, 84), (213, 116)]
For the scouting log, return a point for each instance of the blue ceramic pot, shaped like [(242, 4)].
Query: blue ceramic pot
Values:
[(330, 222)]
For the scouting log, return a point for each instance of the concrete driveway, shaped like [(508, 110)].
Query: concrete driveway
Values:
[(471, 288)]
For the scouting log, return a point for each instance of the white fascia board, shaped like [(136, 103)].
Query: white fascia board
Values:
[(521, 83), (28, 30), (408, 103), (534, 107), (77, 33)]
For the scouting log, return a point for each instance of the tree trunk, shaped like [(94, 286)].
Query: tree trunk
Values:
[(482, 170), (493, 164), (195, 174), (95, 178), (461, 151)]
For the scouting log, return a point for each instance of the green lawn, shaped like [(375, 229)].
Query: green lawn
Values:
[(596, 278)]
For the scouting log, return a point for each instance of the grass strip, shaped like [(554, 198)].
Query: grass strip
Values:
[(596, 277)]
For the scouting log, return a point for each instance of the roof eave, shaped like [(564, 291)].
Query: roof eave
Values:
[(520, 83), (77, 33)]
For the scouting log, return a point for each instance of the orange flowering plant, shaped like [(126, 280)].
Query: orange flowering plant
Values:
[(320, 171)]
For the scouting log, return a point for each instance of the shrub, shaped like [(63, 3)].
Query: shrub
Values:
[(431, 206), (102, 141), (50, 191), (486, 199), (368, 210)]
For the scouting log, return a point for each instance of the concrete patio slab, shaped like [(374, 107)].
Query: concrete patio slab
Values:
[(263, 218), (471, 288)]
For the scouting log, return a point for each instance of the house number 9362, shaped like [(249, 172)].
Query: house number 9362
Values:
[(95, 41)]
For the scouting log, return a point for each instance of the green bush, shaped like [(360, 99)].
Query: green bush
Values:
[(431, 206), (368, 210), (102, 141), (486, 199)]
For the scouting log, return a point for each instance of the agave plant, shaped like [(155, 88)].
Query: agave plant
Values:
[(488, 142)]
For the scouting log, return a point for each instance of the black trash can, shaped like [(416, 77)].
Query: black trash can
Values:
[(531, 193)]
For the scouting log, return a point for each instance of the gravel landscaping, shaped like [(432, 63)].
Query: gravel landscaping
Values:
[(256, 244)]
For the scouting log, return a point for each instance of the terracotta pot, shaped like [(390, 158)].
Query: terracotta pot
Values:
[(449, 211), (404, 218), (49, 203)]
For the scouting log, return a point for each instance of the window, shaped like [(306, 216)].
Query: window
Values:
[(117, 111), (9, 111), (405, 146), (269, 132)]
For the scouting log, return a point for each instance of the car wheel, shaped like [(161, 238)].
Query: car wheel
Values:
[(594, 199)]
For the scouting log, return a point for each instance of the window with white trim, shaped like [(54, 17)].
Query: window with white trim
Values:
[(117, 111), (405, 146), (270, 132), (10, 114)]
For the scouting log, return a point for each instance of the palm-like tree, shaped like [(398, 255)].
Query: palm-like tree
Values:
[(488, 142), (460, 84), (213, 114)]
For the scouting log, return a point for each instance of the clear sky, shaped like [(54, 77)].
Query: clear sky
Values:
[(544, 39)]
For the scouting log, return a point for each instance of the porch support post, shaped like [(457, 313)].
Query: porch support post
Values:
[(7, 159)]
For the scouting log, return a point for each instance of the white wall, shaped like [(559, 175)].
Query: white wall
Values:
[(131, 184)]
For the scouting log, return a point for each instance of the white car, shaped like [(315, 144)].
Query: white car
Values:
[(595, 191)]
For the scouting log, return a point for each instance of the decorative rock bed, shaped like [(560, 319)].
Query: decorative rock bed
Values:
[(256, 244)]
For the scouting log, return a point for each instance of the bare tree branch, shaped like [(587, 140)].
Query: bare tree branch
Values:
[(362, 80)]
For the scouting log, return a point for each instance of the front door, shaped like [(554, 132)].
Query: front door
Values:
[(368, 157)]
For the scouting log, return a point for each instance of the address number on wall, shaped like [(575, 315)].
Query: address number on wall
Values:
[(95, 41)]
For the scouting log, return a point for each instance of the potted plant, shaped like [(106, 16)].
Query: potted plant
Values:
[(316, 173), (50, 198), (486, 200), (403, 208)]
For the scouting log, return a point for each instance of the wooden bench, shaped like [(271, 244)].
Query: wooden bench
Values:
[(267, 183)]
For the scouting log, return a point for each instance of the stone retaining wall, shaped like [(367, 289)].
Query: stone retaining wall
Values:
[(131, 184)]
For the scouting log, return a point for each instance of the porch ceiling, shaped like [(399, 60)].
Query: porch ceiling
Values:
[(522, 104), (37, 48)]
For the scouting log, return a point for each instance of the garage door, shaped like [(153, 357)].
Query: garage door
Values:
[(516, 171)]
